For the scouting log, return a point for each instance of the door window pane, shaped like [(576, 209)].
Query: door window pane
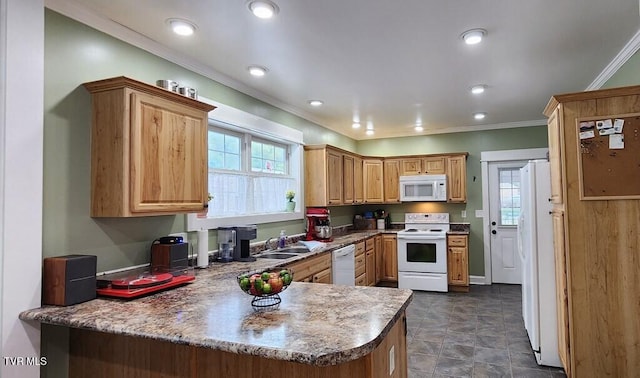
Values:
[(509, 196)]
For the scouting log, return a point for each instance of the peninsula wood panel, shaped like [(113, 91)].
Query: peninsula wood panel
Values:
[(601, 242), (102, 355)]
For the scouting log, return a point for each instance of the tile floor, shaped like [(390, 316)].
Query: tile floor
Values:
[(475, 334)]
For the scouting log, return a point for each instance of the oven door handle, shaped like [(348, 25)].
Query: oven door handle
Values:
[(403, 237)]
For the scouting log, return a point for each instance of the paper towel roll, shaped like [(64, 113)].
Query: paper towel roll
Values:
[(203, 249)]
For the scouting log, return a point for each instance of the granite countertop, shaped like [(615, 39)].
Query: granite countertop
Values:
[(317, 324)]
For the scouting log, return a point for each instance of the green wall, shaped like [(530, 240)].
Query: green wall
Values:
[(628, 74), (74, 54), (473, 143)]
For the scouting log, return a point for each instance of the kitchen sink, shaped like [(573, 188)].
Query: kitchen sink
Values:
[(276, 255)]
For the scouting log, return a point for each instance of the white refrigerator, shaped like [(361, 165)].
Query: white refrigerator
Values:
[(535, 245)]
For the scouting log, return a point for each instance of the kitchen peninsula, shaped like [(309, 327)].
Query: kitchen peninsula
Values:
[(209, 328)]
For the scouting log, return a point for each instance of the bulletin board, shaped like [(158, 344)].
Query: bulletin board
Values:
[(609, 157)]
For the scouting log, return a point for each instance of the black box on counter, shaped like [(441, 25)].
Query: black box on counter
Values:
[(169, 257), (68, 280)]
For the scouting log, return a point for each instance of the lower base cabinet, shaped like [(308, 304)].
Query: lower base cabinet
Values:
[(390, 258), (314, 269), (458, 262)]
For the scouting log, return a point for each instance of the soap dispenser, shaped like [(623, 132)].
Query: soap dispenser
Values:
[(282, 240)]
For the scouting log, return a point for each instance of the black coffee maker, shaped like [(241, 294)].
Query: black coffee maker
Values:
[(242, 250)]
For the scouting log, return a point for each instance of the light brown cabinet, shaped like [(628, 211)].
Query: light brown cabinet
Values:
[(312, 269), (323, 176), (434, 165), (358, 181), (360, 265), (457, 179), (390, 263), (148, 150), (596, 242), (391, 180), (379, 254), (373, 182), (458, 262), (370, 261), (411, 167), (348, 179)]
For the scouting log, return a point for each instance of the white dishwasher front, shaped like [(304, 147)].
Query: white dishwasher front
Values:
[(343, 266)]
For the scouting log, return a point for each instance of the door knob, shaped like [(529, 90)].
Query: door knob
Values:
[(494, 232), (493, 223)]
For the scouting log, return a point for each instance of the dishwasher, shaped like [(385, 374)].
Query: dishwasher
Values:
[(343, 266)]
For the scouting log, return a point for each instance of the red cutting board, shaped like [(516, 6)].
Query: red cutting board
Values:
[(129, 293)]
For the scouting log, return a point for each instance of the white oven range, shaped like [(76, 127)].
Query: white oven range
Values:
[(422, 252)]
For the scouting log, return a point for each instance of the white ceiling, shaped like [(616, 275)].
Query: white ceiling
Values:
[(392, 63)]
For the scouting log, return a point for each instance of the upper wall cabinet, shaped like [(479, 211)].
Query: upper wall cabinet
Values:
[(323, 174), (148, 150), (423, 165), (457, 179)]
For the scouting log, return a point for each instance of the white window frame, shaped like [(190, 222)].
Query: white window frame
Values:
[(269, 131)]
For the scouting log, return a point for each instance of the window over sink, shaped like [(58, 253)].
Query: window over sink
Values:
[(252, 163)]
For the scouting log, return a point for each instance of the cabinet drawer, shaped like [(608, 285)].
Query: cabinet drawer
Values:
[(369, 244), (361, 280), (359, 248), (308, 267), (360, 269), (457, 240)]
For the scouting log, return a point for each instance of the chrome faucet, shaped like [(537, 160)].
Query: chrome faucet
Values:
[(266, 244)]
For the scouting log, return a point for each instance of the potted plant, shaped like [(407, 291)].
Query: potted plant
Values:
[(291, 204)]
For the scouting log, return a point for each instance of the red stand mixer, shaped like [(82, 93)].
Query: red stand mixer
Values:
[(318, 224)]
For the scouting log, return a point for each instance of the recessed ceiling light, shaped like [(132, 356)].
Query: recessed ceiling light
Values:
[(263, 8), (356, 125), (257, 71), (181, 27), (369, 132), (473, 36), (418, 128), (315, 102), (477, 89), (479, 115)]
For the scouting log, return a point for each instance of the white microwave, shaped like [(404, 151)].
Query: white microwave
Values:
[(423, 188)]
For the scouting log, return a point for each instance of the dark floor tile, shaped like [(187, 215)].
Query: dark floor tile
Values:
[(520, 372), (485, 370), (422, 362), (428, 334), (519, 344), (418, 374), (457, 351), (526, 360), (492, 356), (454, 367), (464, 327), (487, 341), (463, 318), (425, 347), (460, 338), (491, 329)]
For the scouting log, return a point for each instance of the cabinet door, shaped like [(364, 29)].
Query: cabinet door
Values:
[(392, 180), (457, 179), (458, 265), (371, 267), (434, 165), (348, 173), (373, 186), (334, 177), (168, 156), (379, 253), (390, 247), (555, 155), (358, 181), (562, 300), (411, 167), (324, 276)]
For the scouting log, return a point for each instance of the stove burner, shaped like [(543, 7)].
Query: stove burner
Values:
[(411, 230)]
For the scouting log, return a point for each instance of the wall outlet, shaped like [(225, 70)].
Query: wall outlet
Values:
[(464, 213), (392, 359)]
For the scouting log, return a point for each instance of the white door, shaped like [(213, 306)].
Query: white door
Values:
[(504, 210)]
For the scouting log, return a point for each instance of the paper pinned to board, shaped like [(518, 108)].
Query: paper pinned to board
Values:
[(618, 124), (616, 141)]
